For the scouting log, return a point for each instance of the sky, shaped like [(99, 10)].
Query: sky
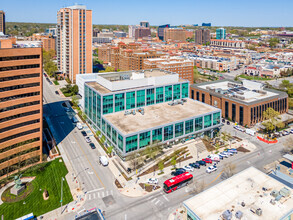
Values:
[(248, 13)]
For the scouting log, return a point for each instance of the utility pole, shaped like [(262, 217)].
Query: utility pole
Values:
[(62, 179)]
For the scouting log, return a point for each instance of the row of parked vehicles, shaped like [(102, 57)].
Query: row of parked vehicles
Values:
[(282, 133), (212, 158)]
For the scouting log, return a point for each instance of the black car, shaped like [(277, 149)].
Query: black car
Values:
[(83, 133), (223, 120), (177, 172), (228, 122), (180, 169), (195, 165), (92, 146), (57, 93), (201, 162)]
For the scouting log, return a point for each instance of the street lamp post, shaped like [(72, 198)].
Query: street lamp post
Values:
[(62, 179)]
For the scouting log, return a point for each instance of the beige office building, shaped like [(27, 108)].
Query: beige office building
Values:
[(74, 40), (2, 22)]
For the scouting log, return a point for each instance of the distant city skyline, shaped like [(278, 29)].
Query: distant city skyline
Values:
[(260, 13)]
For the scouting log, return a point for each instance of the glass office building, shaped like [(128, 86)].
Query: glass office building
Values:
[(152, 107)]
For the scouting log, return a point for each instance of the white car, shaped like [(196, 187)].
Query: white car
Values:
[(229, 153), (188, 168), (88, 140), (79, 126), (152, 181), (224, 154), (67, 109), (211, 169)]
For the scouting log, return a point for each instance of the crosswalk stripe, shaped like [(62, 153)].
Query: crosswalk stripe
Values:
[(111, 192), (107, 193), (103, 194), (154, 199), (89, 196), (94, 196), (150, 197), (157, 202), (98, 195)]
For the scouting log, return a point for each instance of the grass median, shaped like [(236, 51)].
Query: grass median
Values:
[(48, 176)]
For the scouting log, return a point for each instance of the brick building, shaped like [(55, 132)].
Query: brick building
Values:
[(104, 54), (202, 36), (240, 102), (21, 109), (173, 64), (2, 22), (227, 43), (141, 32), (74, 40), (48, 42), (174, 34)]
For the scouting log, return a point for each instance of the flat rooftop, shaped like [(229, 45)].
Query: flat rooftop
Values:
[(247, 92), (157, 115), (246, 187)]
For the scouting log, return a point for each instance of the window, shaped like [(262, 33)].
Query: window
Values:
[(198, 124), (22, 86), (203, 97), (233, 112), (98, 110), (119, 102), (19, 67), (23, 76), (94, 107), (216, 118), (19, 57), (107, 104), (197, 96), (157, 135), (144, 139), (179, 129), (184, 90), (168, 132), (131, 143), (226, 109), (114, 136), (192, 94), (159, 95), (168, 93), (120, 142), (188, 126), (9, 108), (176, 93), (86, 99), (109, 131), (103, 125), (207, 121), (140, 98), (150, 96), (130, 100), (241, 115)]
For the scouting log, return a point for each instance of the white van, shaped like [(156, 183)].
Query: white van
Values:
[(74, 119), (250, 132), (103, 160), (214, 157)]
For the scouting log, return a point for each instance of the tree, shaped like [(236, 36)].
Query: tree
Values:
[(161, 165), (173, 161), (110, 150), (273, 42), (97, 61), (75, 100), (74, 89), (196, 75), (285, 84), (108, 69), (50, 67), (225, 137), (271, 116)]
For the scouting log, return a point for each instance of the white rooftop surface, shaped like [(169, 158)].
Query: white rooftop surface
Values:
[(246, 187), (249, 95)]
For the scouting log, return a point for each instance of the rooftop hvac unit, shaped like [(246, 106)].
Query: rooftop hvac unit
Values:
[(227, 215), (239, 214), (127, 112), (256, 210), (285, 192), (240, 92), (273, 202), (274, 193)]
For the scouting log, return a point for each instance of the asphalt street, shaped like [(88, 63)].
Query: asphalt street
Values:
[(98, 181)]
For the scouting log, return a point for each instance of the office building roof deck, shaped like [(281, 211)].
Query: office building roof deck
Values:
[(247, 92), (246, 186), (121, 81), (157, 115)]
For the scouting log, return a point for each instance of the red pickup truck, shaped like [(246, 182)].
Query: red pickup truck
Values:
[(207, 160)]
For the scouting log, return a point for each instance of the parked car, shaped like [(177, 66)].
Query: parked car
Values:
[(188, 168), (233, 150), (177, 172), (88, 140), (229, 153), (195, 165), (228, 122), (56, 92), (291, 131), (66, 108), (79, 126), (211, 169), (92, 145), (214, 157), (220, 156), (74, 119), (207, 160), (224, 154), (181, 169), (83, 133), (201, 162), (286, 133), (223, 120), (152, 181)]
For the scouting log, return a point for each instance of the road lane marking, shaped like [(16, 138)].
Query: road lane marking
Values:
[(89, 162), (165, 197), (95, 190), (150, 197), (154, 200), (103, 195), (81, 211), (157, 202)]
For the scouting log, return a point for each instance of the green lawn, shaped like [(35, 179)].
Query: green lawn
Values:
[(56, 82), (253, 77), (48, 177)]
